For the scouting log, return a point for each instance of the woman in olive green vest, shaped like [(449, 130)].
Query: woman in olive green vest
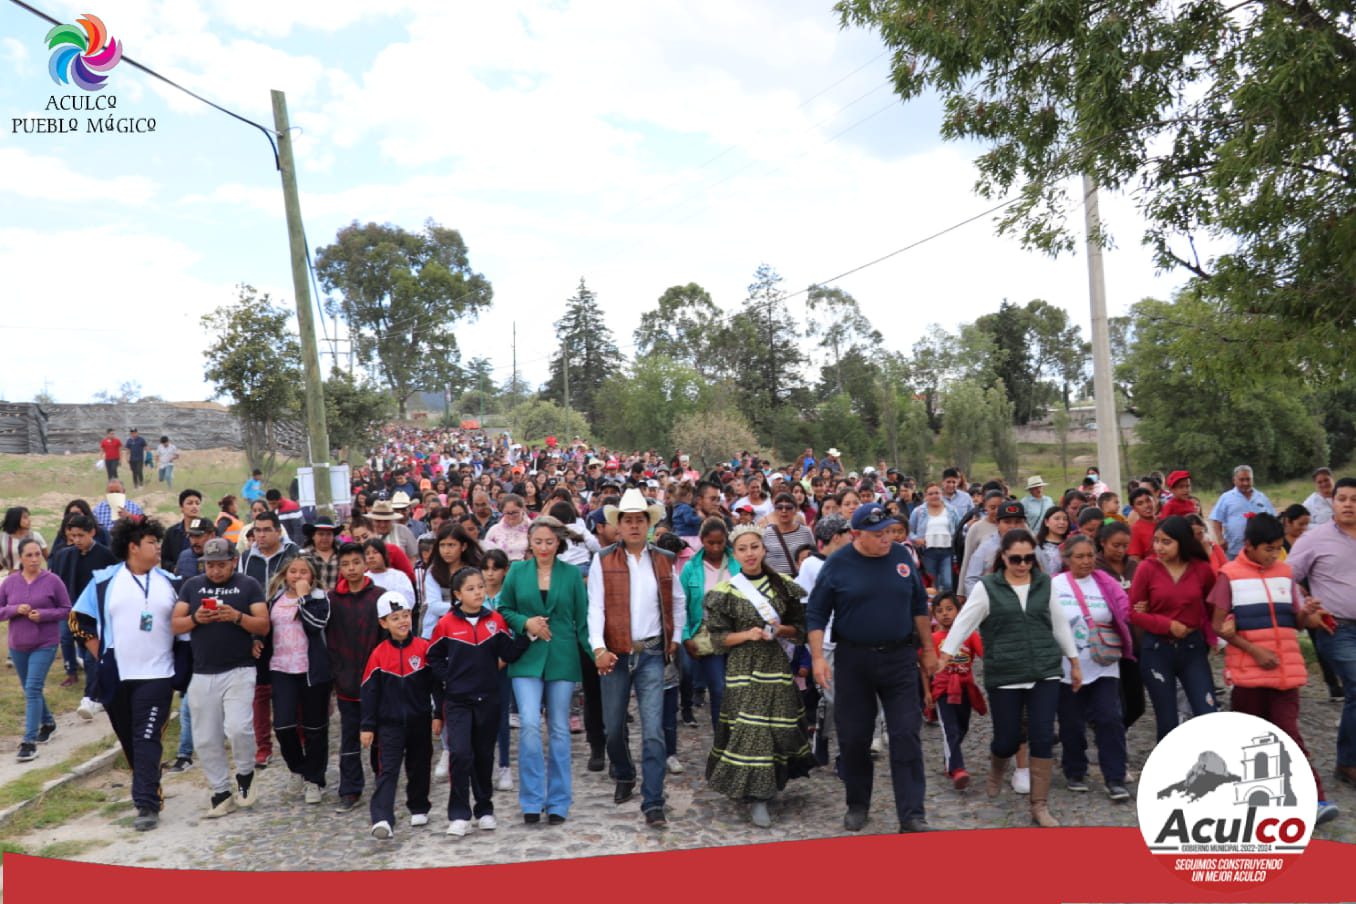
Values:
[(1025, 633)]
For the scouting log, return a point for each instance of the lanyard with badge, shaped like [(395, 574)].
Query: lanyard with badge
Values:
[(147, 618)]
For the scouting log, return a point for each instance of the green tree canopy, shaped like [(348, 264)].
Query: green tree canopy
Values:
[(402, 294), (586, 342), (255, 360), (1226, 119), (680, 327)]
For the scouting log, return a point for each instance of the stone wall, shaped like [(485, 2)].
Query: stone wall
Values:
[(58, 429)]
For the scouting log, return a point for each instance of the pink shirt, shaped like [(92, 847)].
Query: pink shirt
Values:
[(289, 637)]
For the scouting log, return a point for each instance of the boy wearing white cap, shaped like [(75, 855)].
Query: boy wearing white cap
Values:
[(399, 698)]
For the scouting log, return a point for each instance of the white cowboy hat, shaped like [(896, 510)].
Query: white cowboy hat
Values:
[(1034, 481), (833, 453), (633, 501), (400, 499)]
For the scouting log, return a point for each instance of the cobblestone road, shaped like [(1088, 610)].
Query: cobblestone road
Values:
[(282, 833)]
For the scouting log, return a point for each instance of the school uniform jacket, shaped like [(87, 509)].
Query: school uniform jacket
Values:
[(465, 656), (398, 686)]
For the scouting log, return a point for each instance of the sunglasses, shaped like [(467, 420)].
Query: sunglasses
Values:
[(1028, 559), (877, 517)]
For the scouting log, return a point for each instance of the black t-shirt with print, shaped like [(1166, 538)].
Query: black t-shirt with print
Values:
[(221, 646)]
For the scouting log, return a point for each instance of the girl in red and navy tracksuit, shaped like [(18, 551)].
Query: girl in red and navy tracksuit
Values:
[(464, 653), (399, 697), (954, 690)]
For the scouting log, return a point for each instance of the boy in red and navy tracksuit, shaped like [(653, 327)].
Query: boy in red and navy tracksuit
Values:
[(464, 652), (399, 697)]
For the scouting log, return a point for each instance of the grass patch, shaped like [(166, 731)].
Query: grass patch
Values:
[(59, 699), (56, 808), (31, 784), (11, 847), (65, 850)]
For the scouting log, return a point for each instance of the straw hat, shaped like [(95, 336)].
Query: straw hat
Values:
[(633, 501), (382, 510)]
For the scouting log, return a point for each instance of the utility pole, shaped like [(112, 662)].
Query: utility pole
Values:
[(316, 430), (513, 387), (1103, 388)]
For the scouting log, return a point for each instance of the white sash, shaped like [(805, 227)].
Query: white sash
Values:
[(759, 602)]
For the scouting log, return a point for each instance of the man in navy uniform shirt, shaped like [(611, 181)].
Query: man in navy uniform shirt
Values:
[(882, 634)]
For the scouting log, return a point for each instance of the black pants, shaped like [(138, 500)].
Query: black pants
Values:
[(593, 702), (138, 713), (472, 729), (1132, 692), (111, 466), (351, 748), (136, 464), (1034, 708), (861, 676), (955, 719), (412, 744), (306, 750)]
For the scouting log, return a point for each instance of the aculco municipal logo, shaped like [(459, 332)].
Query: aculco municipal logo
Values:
[(1227, 799), (82, 51)]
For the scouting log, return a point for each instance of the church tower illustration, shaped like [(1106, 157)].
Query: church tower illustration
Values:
[(1266, 775)]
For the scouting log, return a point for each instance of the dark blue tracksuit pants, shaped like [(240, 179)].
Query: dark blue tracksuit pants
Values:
[(411, 743), (472, 729)]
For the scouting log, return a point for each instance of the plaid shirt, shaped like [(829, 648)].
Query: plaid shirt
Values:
[(328, 571), (103, 513)]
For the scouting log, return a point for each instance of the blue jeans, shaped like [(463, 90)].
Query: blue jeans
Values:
[(1024, 714), (644, 671), (1100, 704), (1163, 662), (1340, 650), (671, 721), (167, 476), (937, 563), (712, 670), (32, 667), (544, 786), (185, 728)]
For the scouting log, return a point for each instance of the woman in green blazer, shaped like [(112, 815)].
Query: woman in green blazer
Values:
[(546, 599)]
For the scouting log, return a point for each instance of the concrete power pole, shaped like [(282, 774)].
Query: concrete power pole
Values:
[(316, 432), (1103, 387)]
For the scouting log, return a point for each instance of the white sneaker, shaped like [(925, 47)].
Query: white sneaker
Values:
[(418, 819), (382, 830), (878, 744), (86, 709), (294, 783), (514, 720), (314, 793), (675, 767), (1021, 781), (488, 823), (459, 827), (444, 762), (504, 782)]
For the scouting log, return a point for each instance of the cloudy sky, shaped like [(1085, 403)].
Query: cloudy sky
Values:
[(638, 145)]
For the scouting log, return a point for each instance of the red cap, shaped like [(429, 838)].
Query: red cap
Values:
[(1177, 476)]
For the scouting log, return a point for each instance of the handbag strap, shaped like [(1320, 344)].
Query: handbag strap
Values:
[(1082, 603), (789, 560)]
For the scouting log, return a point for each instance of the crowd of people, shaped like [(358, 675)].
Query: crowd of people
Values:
[(820, 614)]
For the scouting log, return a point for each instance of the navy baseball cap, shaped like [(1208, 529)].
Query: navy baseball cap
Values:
[(872, 517)]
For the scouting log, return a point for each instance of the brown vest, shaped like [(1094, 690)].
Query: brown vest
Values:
[(617, 596)]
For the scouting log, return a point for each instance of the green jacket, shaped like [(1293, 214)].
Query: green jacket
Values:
[(693, 579), (566, 608)]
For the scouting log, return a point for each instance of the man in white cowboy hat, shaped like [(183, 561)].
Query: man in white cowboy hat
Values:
[(385, 519), (1036, 502), (831, 461), (637, 611)]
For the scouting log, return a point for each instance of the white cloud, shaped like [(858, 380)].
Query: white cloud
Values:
[(14, 52), (44, 178)]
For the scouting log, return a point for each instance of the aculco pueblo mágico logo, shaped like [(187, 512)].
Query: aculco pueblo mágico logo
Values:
[(1227, 798)]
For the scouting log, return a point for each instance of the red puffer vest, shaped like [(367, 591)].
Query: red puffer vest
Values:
[(1264, 614)]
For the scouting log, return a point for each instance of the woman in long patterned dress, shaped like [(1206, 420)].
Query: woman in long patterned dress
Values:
[(760, 742)]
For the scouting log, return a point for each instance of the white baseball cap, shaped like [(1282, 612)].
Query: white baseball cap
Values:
[(389, 602)]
